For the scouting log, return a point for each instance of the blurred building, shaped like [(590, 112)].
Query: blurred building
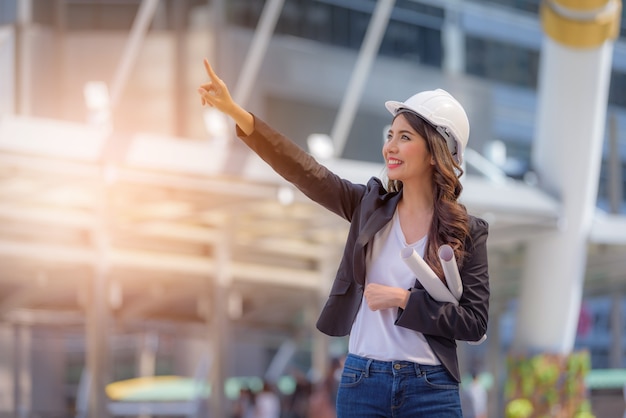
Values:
[(136, 236)]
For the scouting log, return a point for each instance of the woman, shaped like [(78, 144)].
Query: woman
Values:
[(402, 350)]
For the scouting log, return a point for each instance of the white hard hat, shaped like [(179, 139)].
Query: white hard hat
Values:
[(443, 112)]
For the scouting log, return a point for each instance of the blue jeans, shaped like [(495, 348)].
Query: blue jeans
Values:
[(396, 389)]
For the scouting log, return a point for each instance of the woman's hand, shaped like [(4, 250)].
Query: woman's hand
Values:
[(379, 296), (216, 94)]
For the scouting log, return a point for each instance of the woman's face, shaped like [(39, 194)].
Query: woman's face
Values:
[(405, 152)]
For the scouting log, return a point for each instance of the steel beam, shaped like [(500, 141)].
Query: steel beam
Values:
[(367, 54)]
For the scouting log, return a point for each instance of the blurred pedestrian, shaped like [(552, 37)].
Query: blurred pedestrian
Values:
[(474, 399), (297, 404), (244, 406), (324, 397), (267, 402)]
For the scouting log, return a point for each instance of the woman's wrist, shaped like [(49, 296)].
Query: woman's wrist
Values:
[(242, 118), (404, 298)]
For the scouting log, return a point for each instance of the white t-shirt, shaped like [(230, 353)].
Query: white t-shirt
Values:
[(267, 405), (374, 334)]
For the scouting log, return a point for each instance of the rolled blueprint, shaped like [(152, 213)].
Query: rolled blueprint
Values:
[(427, 277), (451, 270), (433, 285), (453, 278)]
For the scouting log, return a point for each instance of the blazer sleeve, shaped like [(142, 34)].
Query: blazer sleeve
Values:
[(302, 170), (468, 320)]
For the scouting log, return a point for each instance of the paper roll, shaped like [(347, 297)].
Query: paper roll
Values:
[(451, 270), (482, 340), (426, 276), (431, 282)]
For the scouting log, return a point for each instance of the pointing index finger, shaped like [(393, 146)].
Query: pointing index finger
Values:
[(209, 70)]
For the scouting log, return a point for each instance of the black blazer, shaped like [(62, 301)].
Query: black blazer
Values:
[(368, 208)]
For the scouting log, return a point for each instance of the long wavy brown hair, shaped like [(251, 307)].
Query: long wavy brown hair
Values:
[(450, 219)]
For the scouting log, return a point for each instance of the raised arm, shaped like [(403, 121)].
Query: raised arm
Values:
[(216, 94), (285, 157)]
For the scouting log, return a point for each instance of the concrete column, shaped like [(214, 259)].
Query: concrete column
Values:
[(24, 67), (324, 347), (321, 342), (22, 371), (147, 354), (180, 12), (7, 69), (97, 309), (617, 334), (495, 362), (616, 181), (219, 323), (8, 359), (48, 372), (453, 39), (573, 92)]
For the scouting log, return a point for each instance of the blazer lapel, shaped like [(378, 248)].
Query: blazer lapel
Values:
[(379, 218)]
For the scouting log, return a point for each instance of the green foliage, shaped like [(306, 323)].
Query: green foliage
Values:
[(519, 408), (548, 385)]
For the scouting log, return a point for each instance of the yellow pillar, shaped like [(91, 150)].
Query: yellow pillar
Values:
[(575, 69)]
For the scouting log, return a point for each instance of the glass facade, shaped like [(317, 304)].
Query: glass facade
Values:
[(414, 31), (523, 5), (8, 11), (502, 62)]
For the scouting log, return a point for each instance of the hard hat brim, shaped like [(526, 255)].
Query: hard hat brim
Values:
[(393, 106), (453, 142)]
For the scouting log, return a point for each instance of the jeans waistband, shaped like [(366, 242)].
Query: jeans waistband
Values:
[(368, 365)]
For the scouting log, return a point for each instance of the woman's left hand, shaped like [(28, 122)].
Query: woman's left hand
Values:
[(215, 93), (379, 296)]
